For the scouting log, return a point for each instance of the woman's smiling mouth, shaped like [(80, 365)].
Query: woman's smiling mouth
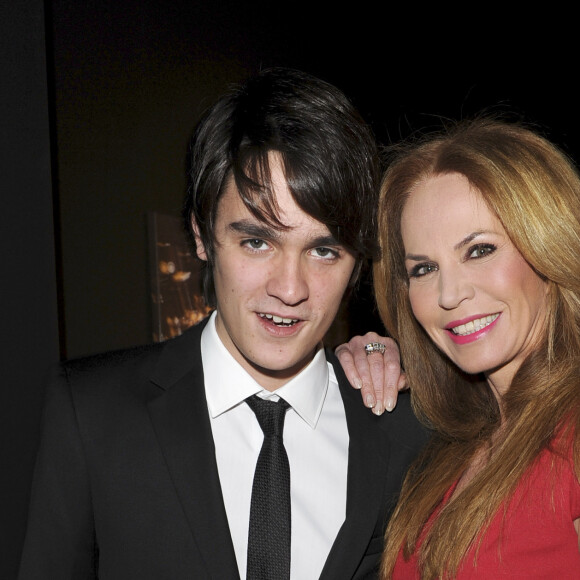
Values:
[(471, 330), (473, 325)]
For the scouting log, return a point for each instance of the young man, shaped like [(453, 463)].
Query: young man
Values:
[(148, 458)]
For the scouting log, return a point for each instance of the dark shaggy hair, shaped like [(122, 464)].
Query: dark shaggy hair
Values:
[(328, 152)]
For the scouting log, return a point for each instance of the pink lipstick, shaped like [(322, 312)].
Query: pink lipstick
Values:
[(472, 328)]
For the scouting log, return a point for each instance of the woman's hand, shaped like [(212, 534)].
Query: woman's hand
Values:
[(377, 375)]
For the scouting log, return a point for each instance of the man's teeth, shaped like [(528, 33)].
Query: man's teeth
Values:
[(474, 325), (279, 320)]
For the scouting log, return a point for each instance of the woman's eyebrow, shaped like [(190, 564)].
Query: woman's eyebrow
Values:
[(464, 242), (416, 257), (467, 239)]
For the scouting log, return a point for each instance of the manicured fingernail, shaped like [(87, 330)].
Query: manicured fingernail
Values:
[(378, 409), (357, 384), (390, 405), (370, 401)]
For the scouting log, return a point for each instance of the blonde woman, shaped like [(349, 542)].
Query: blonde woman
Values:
[(479, 282)]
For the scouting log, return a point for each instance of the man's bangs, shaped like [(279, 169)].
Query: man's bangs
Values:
[(253, 178)]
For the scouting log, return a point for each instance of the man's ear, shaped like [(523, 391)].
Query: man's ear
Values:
[(199, 245)]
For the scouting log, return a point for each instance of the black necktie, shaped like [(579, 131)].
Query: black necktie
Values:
[(269, 532)]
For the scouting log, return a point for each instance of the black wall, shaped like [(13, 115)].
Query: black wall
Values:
[(127, 81), (28, 303), (132, 77)]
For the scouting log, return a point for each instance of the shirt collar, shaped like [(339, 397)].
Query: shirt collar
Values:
[(227, 384)]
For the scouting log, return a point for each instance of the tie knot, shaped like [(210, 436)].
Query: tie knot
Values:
[(270, 415)]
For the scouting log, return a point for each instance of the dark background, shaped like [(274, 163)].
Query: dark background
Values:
[(99, 99)]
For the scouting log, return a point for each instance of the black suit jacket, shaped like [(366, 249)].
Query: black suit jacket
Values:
[(126, 484)]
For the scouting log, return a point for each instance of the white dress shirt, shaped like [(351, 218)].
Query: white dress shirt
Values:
[(316, 441)]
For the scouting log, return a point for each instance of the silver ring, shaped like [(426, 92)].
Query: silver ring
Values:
[(375, 347)]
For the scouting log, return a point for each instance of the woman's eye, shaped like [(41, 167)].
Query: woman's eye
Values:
[(481, 250), (422, 270)]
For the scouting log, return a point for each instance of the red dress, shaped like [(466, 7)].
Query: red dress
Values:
[(537, 538)]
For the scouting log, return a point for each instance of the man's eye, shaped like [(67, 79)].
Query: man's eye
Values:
[(481, 250), (325, 253), (255, 244)]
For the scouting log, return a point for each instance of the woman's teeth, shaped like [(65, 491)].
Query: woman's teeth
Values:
[(474, 325)]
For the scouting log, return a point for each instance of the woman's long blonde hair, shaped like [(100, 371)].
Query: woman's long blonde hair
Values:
[(534, 190)]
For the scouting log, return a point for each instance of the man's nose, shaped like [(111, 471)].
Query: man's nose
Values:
[(287, 281)]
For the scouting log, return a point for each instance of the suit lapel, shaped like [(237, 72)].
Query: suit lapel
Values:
[(181, 422), (367, 473), (180, 419)]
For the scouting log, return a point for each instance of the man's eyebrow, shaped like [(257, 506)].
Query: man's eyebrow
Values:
[(263, 232), (254, 230), (324, 241)]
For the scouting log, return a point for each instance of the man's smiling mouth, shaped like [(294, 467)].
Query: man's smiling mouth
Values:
[(278, 320)]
